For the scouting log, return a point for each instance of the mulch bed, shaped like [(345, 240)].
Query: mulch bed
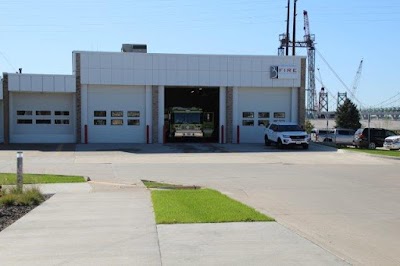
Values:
[(10, 214)]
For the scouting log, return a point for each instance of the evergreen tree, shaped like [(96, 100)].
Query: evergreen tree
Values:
[(348, 116)]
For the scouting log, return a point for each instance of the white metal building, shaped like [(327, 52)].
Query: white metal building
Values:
[(120, 97)]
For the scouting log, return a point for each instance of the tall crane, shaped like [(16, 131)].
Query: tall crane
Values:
[(308, 42), (311, 91), (356, 80)]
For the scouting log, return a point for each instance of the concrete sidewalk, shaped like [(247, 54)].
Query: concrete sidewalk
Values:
[(109, 224)]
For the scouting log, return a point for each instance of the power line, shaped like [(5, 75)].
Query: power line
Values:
[(341, 81), (6, 59)]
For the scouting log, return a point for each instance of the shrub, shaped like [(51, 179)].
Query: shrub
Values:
[(13, 196)]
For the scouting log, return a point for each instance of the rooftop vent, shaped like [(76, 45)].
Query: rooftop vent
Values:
[(134, 48)]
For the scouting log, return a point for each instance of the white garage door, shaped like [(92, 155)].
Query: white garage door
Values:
[(259, 106), (42, 118), (116, 114)]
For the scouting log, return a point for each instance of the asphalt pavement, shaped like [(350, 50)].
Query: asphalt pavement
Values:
[(342, 203)]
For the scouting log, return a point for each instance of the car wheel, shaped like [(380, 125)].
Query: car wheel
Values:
[(372, 146), (279, 144), (267, 142), (305, 146)]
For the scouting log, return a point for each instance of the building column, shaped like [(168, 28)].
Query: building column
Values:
[(235, 117), (6, 109), (84, 111), (149, 113), (222, 115), (293, 106), (161, 93), (78, 86), (301, 96)]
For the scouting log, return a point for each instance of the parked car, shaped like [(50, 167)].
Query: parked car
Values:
[(376, 139), (319, 135), (392, 143), (285, 134), (340, 136)]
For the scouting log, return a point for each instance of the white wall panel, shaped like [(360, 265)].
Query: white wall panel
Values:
[(214, 63), (41, 83), (149, 76), (127, 76), (139, 61), (139, 76), (70, 84), (25, 83), (117, 61), (84, 59), (193, 62), (13, 82), (204, 63), (48, 83), (37, 83), (182, 62), (59, 84), (117, 76), (223, 63), (93, 60), (105, 76), (204, 78), (248, 71), (172, 63), (106, 61), (149, 62), (127, 61)]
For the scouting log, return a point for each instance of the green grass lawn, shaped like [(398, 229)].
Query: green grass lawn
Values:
[(376, 152), (200, 206), (11, 179)]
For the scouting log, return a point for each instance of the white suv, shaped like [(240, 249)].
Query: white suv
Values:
[(285, 134)]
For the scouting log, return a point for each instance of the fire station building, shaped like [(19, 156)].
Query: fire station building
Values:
[(121, 97)]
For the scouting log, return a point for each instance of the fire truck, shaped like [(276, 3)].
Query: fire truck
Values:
[(188, 122)]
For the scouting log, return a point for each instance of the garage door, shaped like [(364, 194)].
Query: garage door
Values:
[(116, 114), (257, 107), (42, 118)]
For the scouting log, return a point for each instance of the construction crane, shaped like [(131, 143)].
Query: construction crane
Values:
[(308, 42), (311, 91), (356, 80)]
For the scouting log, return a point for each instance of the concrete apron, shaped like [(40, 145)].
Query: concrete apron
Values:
[(111, 224)]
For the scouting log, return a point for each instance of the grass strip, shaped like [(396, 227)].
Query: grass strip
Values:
[(153, 184), (201, 206), (11, 179), (395, 153)]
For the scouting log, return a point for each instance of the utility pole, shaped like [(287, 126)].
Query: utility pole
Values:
[(294, 27), (287, 28)]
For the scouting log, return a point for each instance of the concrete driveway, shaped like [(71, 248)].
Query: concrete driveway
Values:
[(345, 202)]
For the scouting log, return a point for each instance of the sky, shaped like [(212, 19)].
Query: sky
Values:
[(39, 36)]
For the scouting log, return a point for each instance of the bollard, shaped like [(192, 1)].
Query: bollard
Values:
[(20, 177)]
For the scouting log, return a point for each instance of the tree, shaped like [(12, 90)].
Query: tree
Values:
[(348, 116), (308, 126)]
